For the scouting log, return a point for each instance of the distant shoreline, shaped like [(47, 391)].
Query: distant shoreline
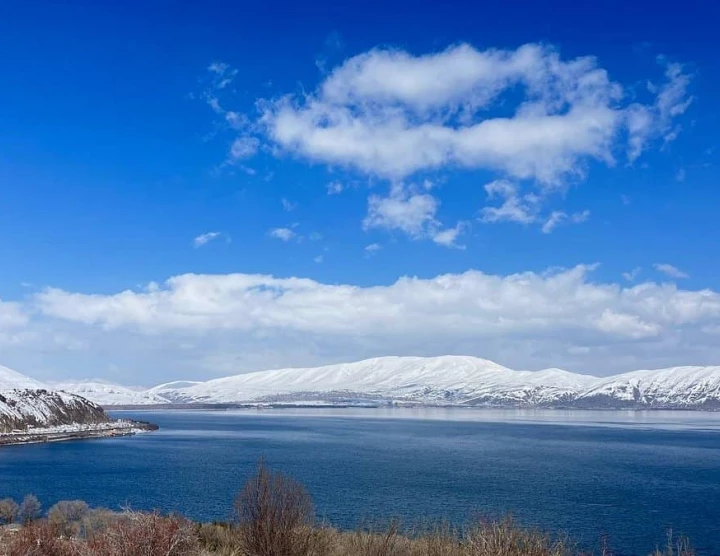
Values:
[(72, 432), (275, 406)]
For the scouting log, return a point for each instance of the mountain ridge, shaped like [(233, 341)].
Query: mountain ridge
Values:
[(443, 380)]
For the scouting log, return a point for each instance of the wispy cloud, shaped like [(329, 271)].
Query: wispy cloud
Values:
[(335, 187), (204, 239), (284, 234), (670, 270), (632, 275), (288, 205)]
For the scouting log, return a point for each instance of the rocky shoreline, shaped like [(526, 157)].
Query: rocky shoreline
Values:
[(63, 433)]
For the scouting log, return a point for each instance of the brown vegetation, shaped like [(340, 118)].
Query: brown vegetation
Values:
[(274, 517)]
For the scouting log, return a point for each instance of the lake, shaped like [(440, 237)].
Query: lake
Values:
[(628, 475)]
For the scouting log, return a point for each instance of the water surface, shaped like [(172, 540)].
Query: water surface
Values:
[(630, 475)]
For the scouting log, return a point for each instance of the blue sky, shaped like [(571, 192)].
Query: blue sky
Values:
[(351, 146)]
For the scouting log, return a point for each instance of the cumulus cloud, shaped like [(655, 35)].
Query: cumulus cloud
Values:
[(204, 239), (469, 304), (411, 212), (389, 113), (670, 270), (527, 115), (195, 325)]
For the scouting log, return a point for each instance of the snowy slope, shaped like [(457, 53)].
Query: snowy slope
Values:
[(168, 391), (673, 387), (107, 393), (40, 408), (447, 379)]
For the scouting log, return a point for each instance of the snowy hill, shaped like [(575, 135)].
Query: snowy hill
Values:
[(107, 393), (446, 380), (20, 409), (436, 380), (692, 387)]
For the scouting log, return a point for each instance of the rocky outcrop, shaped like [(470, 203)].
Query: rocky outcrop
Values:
[(32, 408)]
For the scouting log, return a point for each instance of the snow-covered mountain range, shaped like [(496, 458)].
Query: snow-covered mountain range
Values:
[(446, 380)]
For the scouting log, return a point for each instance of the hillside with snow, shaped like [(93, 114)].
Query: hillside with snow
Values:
[(446, 380), (21, 409), (106, 393)]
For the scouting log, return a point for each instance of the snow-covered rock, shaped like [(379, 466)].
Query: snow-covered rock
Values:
[(21, 409)]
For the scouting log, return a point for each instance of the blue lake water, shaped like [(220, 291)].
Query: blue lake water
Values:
[(628, 475)]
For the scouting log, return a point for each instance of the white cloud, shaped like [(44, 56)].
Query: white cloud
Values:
[(657, 120), (448, 237), (372, 248), (389, 113), (558, 217), (243, 147), (514, 208), (198, 326), (204, 239), (284, 234), (680, 175), (402, 210), (335, 187), (632, 275), (288, 205), (670, 270), (527, 319), (319, 259), (223, 74), (523, 208)]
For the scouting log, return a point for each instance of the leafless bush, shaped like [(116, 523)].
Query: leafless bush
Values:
[(8, 510), (504, 538), (275, 516), (40, 539), (675, 547), (67, 516), (29, 509), (140, 534)]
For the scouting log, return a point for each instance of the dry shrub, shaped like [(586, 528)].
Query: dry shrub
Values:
[(675, 547), (8, 510), (29, 509), (503, 538), (275, 516), (141, 534), (219, 539), (40, 539), (67, 516), (379, 543)]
